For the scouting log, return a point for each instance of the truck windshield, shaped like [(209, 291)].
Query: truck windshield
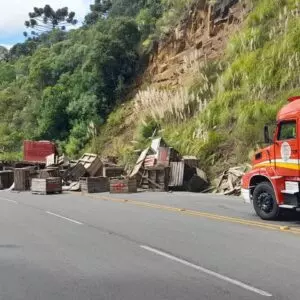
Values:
[(287, 131)]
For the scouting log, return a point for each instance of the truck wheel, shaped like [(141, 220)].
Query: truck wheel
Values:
[(264, 201)]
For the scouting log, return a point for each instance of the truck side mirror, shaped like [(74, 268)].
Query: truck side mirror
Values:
[(267, 135)]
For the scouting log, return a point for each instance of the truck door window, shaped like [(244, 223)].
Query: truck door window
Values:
[(287, 131)]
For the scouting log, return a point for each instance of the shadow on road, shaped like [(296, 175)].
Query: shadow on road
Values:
[(290, 216)]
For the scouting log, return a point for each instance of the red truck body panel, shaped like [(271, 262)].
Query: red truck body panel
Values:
[(37, 151)]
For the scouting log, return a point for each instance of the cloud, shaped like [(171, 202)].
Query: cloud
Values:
[(14, 13)]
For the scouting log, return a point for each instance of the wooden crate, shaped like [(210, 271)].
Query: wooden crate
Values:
[(113, 172), (92, 164), (75, 173), (46, 186), (22, 179), (123, 186), (6, 179), (94, 184)]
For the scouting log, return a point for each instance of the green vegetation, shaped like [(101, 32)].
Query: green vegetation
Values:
[(54, 86)]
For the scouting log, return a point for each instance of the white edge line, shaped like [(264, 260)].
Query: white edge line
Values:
[(9, 200), (62, 217), (208, 272)]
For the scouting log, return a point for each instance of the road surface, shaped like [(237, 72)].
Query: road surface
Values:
[(146, 246)]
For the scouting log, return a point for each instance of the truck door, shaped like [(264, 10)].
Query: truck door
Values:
[(286, 149)]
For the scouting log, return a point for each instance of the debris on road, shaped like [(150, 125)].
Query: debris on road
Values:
[(161, 168), (229, 183)]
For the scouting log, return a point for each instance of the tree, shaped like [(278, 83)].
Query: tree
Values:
[(46, 19), (53, 119), (22, 49), (99, 10), (7, 73)]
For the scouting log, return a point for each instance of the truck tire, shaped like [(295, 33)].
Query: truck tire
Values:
[(264, 201)]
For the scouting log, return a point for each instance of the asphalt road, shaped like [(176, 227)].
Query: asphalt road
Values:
[(148, 246)]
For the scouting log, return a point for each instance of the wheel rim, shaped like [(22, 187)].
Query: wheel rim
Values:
[(265, 202)]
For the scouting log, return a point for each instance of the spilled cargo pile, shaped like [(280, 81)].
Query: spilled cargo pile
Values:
[(229, 183), (159, 168)]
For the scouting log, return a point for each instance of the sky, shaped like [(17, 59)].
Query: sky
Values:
[(14, 13)]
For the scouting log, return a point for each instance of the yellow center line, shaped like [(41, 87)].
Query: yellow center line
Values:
[(197, 213)]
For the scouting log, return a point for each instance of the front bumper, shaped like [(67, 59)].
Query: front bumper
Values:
[(246, 195)]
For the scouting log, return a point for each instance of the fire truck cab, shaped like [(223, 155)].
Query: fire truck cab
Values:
[(273, 182)]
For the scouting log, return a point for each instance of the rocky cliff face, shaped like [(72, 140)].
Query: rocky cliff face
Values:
[(201, 36)]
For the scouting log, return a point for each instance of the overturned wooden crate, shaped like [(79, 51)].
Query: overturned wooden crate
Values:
[(74, 173), (46, 186), (94, 184), (123, 185), (6, 179), (155, 179), (92, 164)]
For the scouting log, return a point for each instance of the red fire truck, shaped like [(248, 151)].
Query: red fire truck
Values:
[(273, 183)]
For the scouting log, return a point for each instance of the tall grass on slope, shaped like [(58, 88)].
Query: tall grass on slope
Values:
[(168, 106)]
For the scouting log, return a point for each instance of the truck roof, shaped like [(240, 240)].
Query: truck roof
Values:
[(290, 110)]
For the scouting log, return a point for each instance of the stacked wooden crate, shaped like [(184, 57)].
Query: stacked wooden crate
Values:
[(6, 179), (113, 171), (46, 186), (123, 185), (94, 184)]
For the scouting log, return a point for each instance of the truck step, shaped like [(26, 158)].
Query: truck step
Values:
[(288, 206), (289, 192)]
